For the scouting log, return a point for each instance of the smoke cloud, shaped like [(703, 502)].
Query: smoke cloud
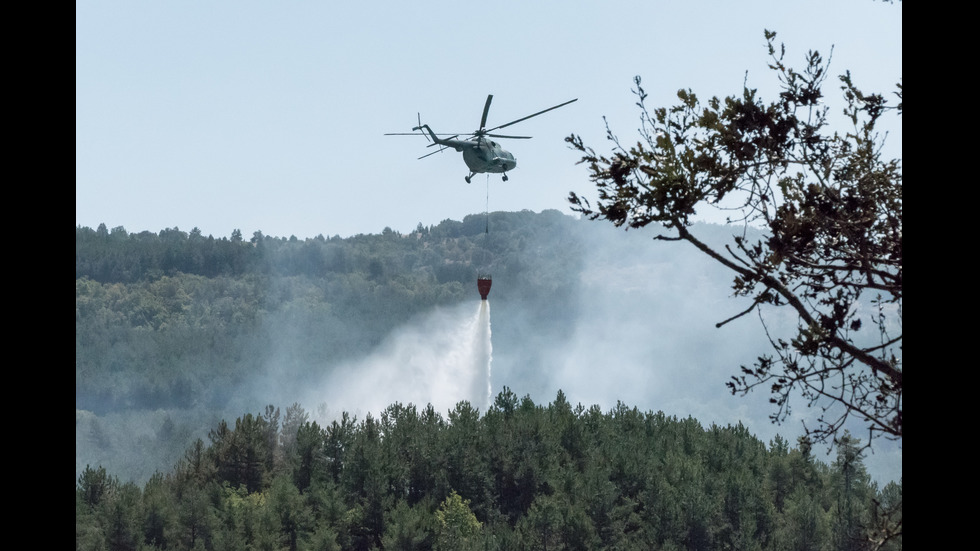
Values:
[(441, 358)]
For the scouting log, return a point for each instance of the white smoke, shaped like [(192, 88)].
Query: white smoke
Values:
[(643, 333), (441, 358)]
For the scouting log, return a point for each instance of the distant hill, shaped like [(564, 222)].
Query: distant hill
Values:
[(176, 331)]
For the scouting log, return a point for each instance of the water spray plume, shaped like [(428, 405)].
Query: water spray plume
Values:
[(484, 351), (440, 358)]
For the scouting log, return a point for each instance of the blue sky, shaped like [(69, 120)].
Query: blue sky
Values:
[(270, 116)]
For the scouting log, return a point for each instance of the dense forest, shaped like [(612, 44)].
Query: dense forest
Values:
[(172, 327), (520, 476)]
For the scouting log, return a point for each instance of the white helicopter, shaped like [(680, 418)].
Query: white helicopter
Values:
[(480, 154)]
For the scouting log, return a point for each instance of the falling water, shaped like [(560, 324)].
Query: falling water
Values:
[(483, 350)]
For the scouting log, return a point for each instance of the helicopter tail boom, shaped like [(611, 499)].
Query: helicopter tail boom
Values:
[(455, 144)]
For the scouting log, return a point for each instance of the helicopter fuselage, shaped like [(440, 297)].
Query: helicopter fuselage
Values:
[(480, 155), (488, 156)]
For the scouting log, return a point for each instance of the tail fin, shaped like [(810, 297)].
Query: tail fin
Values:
[(420, 126), (432, 136)]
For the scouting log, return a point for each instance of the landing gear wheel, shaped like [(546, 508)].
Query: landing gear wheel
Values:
[(467, 178), (505, 177)]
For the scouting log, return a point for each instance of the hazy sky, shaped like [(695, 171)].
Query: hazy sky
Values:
[(270, 115)]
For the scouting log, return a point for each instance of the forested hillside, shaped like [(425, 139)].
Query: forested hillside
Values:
[(179, 333), (520, 476), (172, 327)]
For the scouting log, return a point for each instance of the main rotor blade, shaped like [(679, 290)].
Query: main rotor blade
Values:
[(529, 116), (511, 137), (486, 109)]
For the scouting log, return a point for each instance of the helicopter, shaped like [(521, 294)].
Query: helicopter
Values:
[(481, 154)]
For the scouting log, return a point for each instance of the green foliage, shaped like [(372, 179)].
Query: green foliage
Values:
[(829, 205), (94, 485), (551, 477), (457, 527), (410, 527)]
